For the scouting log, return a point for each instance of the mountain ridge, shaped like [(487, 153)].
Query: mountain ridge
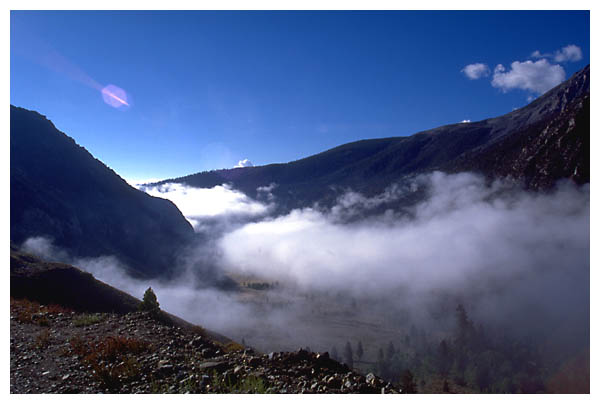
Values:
[(60, 191), (369, 165)]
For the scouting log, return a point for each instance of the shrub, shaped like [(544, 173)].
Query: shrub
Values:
[(32, 312), (87, 319), (233, 347), (112, 359), (43, 339), (248, 385)]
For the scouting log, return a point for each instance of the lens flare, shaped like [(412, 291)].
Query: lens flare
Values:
[(115, 96)]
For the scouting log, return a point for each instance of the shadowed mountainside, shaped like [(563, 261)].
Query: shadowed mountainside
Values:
[(49, 283), (60, 191), (65, 285), (538, 144)]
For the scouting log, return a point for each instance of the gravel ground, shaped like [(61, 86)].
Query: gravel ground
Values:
[(53, 350)]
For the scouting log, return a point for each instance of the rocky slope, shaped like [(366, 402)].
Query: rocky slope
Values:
[(55, 350), (55, 283), (88, 337), (59, 190), (546, 150)]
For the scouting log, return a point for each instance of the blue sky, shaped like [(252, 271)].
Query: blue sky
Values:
[(195, 91)]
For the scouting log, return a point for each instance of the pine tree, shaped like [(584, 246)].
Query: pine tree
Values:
[(348, 355), (444, 360), (150, 302), (465, 327), (359, 350), (391, 350), (382, 364)]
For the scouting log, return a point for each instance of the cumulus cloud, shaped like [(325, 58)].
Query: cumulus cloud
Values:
[(569, 53), (244, 163), (207, 205), (538, 55), (538, 77), (465, 121), (476, 71)]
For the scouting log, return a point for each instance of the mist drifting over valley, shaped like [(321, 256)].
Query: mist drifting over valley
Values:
[(517, 260)]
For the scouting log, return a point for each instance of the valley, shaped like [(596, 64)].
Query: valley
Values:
[(457, 259)]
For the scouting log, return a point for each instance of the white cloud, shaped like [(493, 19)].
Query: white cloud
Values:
[(44, 248), (462, 232), (538, 55), (244, 163), (538, 77), (465, 121), (511, 254), (266, 192), (199, 204), (136, 182), (569, 53), (476, 71), (180, 296)]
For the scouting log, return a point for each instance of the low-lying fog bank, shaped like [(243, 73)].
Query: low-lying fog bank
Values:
[(518, 261)]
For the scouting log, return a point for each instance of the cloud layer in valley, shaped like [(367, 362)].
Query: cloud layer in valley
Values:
[(520, 260), (459, 234), (205, 206)]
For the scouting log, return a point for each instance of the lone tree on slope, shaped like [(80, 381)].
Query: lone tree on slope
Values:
[(150, 302)]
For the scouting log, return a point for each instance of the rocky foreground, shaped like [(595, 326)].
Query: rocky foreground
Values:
[(56, 350)]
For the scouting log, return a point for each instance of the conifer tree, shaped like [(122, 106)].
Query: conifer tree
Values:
[(391, 350), (150, 302), (359, 350), (348, 355)]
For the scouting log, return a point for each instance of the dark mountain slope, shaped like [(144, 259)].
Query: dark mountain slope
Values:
[(529, 144), (554, 148), (61, 191), (48, 283), (65, 285)]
